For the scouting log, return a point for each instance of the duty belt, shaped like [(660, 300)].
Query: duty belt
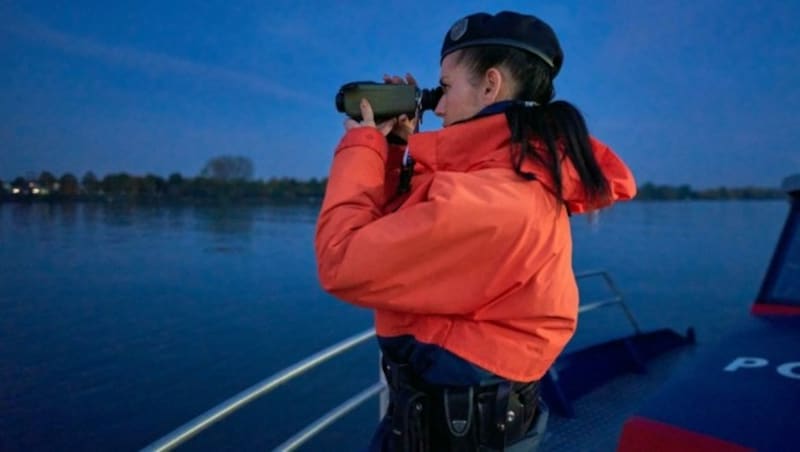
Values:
[(426, 417)]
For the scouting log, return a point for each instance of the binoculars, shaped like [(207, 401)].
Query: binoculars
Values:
[(387, 100)]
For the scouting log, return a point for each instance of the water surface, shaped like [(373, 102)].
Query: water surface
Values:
[(119, 323)]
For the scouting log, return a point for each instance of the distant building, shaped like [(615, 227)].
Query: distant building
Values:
[(37, 189)]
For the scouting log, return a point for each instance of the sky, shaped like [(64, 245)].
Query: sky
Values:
[(700, 92)]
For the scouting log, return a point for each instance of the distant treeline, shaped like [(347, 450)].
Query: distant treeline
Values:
[(652, 192), (212, 188), (223, 179), (151, 188)]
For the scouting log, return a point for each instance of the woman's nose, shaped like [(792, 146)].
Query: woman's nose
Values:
[(439, 111)]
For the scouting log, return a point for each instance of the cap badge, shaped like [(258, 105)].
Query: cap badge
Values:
[(459, 29)]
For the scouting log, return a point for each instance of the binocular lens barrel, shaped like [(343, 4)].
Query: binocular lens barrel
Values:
[(387, 100)]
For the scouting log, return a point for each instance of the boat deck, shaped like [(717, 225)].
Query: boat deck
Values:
[(599, 415)]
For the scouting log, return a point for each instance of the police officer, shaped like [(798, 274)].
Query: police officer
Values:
[(469, 271)]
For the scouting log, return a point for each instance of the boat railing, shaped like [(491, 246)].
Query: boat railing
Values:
[(615, 299), (188, 430)]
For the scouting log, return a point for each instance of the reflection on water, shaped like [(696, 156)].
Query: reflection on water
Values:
[(119, 323), (231, 228), (226, 220)]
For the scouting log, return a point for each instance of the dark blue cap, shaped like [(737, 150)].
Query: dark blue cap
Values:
[(506, 28)]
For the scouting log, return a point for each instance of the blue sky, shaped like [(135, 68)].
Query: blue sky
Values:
[(701, 92)]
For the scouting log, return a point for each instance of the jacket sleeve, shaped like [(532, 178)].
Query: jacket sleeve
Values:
[(621, 183), (423, 259)]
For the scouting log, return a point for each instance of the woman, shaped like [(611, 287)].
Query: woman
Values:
[(469, 271)]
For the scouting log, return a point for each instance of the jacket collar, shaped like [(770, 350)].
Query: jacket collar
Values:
[(481, 142), (485, 142)]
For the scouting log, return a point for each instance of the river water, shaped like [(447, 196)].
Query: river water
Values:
[(120, 323)]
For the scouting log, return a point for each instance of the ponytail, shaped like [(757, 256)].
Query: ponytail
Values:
[(562, 130), (558, 125)]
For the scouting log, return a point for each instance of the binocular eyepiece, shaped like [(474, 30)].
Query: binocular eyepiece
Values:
[(387, 100)]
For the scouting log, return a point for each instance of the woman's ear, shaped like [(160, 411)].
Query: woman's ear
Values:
[(492, 86)]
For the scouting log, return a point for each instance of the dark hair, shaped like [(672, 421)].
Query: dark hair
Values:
[(559, 125)]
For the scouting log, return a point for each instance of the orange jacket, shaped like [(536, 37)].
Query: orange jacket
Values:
[(475, 259)]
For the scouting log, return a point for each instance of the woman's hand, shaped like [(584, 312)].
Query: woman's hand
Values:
[(404, 126), (368, 120)]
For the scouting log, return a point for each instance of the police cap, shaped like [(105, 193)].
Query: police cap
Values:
[(506, 28)]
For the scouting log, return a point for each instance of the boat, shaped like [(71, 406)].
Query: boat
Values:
[(743, 393), (638, 392)]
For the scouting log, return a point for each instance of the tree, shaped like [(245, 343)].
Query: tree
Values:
[(47, 180), (228, 168), (175, 184), (90, 183), (119, 184), (685, 192), (175, 179), (20, 183), (68, 185), (153, 185)]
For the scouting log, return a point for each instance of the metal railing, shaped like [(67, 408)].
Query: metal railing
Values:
[(200, 423), (616, 299)]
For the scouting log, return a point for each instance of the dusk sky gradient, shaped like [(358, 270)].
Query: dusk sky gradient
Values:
[(702, 92)]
